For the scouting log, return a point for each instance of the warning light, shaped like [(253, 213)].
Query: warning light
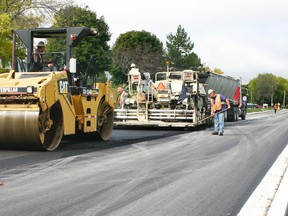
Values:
[(73, 37)]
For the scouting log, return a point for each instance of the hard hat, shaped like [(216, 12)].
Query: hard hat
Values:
[(119, 89), (41, 44), (133, 65), (210, 91)]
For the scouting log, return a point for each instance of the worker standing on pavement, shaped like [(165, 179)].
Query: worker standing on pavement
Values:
[(218, 107), (275, 108)]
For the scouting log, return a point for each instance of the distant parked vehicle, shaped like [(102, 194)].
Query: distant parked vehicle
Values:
[(251, 105), (257, 106)]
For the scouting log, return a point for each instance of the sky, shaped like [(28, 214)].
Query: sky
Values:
[(243, 38)]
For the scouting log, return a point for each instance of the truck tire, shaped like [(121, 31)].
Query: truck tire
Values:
[(236, 116), (243, 116), (231, 114)]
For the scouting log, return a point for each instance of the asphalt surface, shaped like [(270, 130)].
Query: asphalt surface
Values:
[(145, 172)]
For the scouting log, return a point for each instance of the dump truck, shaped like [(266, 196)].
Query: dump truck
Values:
[(230, 87), (38, 108), (175, 99)]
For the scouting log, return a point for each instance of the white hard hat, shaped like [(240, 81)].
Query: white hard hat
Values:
[(133, 65), (41, 44), (210, 91)]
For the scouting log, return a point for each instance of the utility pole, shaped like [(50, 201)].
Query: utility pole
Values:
[(284, 99)]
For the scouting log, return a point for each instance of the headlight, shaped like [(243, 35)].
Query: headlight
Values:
[(30, 89)]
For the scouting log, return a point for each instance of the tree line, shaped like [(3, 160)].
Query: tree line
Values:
[(266, 88), (140, 47)]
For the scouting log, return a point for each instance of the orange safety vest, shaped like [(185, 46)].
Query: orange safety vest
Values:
[(216, 103), (121, 97)]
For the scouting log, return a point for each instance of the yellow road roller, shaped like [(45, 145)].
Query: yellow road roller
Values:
[(38, 108)]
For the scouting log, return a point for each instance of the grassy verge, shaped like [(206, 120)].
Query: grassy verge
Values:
[(249, 110)]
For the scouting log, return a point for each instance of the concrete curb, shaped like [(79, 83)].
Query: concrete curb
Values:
[(280, 202), (270, 197)]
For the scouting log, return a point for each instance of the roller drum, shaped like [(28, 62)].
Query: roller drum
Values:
[(20, 130), (29, 130)]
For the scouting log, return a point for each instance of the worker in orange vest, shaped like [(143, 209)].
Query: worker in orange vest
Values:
[(120, 98), (275, 108), (218, 107)]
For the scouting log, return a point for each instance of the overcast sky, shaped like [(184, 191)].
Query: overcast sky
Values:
[(241, 37)]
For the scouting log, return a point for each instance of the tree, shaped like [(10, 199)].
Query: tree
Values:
[(252, 89), (139, 47), (218, 71), (282, 85), (264, 87), (5, 38), (179, 51), (268, 88), (74, 16), (32, 13)]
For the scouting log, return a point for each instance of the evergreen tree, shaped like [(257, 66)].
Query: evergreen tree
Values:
[(179, 51)]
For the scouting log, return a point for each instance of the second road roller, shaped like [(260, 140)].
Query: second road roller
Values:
[(38, 108)]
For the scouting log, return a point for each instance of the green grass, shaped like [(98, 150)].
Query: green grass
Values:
[(249, 110), (3, 70)]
